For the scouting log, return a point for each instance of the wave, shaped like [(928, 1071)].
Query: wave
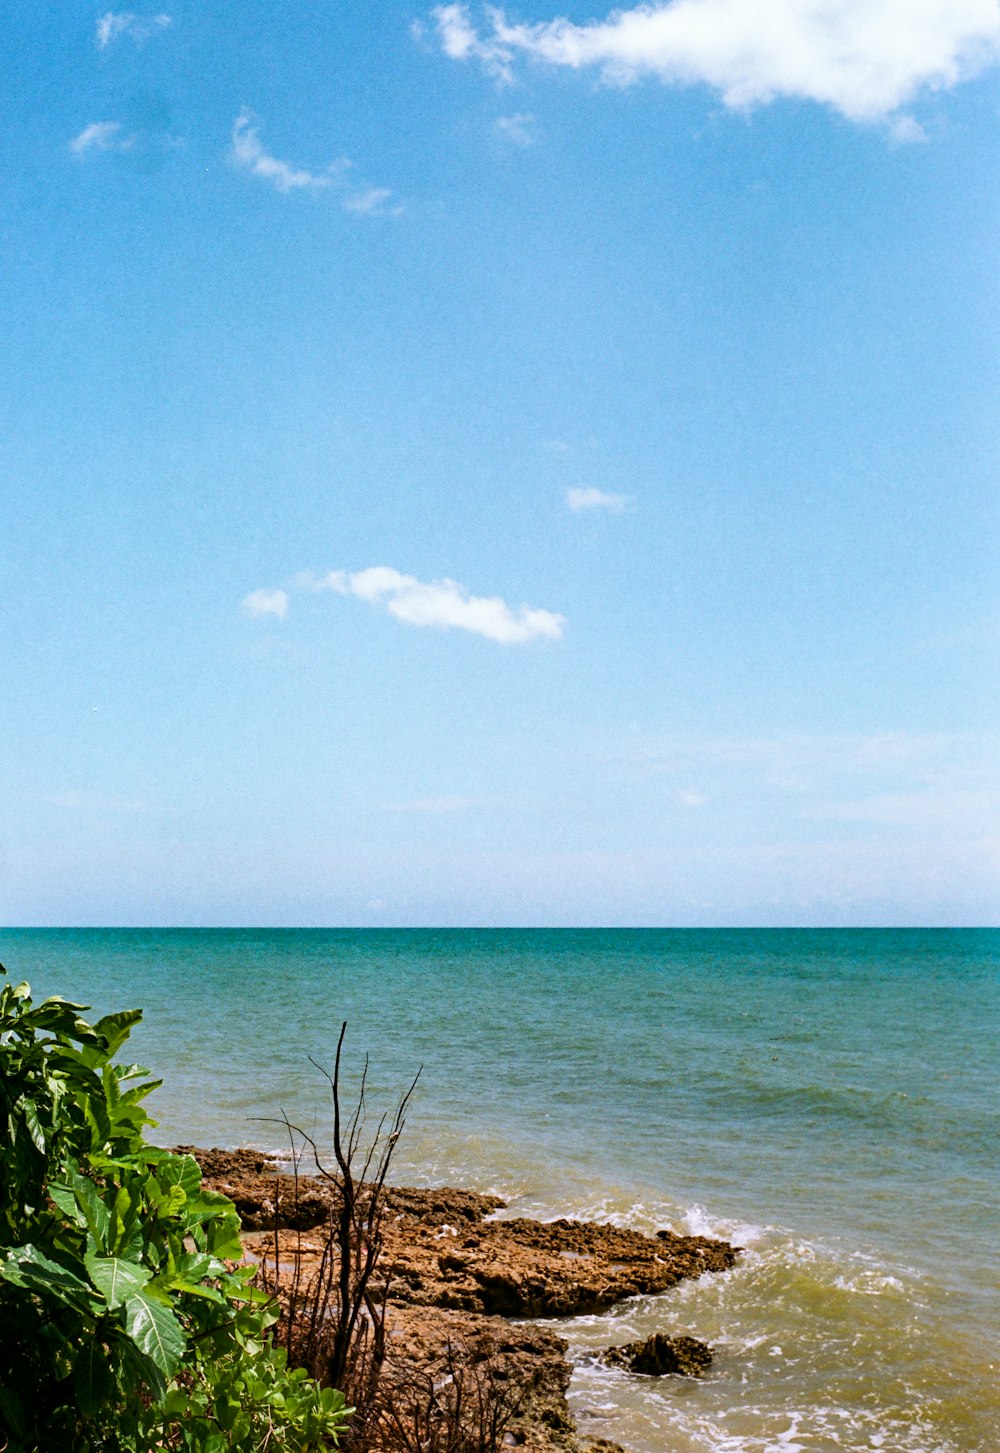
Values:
[(815, 1349)]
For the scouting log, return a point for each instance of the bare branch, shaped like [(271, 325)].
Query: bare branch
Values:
[(334, 1318)]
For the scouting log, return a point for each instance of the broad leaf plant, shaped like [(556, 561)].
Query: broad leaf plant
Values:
[(127, 1322)]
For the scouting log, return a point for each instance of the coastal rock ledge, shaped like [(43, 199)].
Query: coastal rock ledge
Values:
[(460, 1272)]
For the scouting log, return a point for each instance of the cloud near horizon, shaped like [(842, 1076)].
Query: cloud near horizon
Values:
[(438, 604), (912, 778), (865, 58)]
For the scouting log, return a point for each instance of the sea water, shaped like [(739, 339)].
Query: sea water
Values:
[(826, 1099)]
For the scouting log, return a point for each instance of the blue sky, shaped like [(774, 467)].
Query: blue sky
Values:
[(463, 467)]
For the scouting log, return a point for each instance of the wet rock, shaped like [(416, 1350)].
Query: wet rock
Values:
[(519, 1268), (660, 1355), (448, 1248), (457, 1271)]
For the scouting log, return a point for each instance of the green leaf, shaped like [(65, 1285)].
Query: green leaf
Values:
[(155, 1331), (93, 1379), (63, 1198), (116, 1028), (32, 1123), (137, 1370), (138, 1092), (93, 1209), (227, 1410), (27, 1267), (191, 1289), (224, 1238), (182, 1171), (121, 1206), (173, 1203), (194, 1265), (176, 1403), (62, 1016), (208, 1205), (115, 1279), (11, 1407)]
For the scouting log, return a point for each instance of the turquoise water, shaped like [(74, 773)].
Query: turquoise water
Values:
[(827, 1098)]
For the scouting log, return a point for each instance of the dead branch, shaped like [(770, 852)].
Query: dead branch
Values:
[(333, 1324)]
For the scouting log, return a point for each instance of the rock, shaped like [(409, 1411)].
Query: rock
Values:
[(513, 1267), (520, 1368), (265, 1195), (447, 1248), (660, 1355), (457, 1271)]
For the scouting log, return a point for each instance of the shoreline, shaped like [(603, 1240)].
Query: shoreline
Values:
[(466, 1285)]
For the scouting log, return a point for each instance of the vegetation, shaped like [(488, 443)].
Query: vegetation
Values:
[(333, 1318), (465, 1405), (127, 1324), (334, 1322)]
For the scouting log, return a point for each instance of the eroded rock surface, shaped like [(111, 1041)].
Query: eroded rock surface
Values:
[(659, 1355), (459, 1272), (446, 1249), (523, 1366)]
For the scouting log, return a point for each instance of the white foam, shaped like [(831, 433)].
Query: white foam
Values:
[(698, 1221)]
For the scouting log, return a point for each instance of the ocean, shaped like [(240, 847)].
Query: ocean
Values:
[(827, 1099)]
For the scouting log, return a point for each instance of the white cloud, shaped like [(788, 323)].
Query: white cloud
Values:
[(101, 136), (690, 797), (906, 130), (875, 777), (372, 202), (865, 58), (444, 605), (249, 153), (587, 497), (519, 128), (458, 37), (140, 28), (266, 603), (441, 604)]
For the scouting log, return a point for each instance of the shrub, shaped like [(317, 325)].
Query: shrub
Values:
[(126, 1325)]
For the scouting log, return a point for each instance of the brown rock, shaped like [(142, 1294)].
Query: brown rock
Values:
[(660, 1355), (520, 1268), (443, 1251), (456, 1273), (521, 1367)]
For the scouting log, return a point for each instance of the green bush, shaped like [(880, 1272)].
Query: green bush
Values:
[(124, 1326)]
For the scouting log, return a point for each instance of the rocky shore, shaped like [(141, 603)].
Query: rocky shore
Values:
[(468, 1285)]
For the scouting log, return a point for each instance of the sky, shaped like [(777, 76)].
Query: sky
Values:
[(474, 466)]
